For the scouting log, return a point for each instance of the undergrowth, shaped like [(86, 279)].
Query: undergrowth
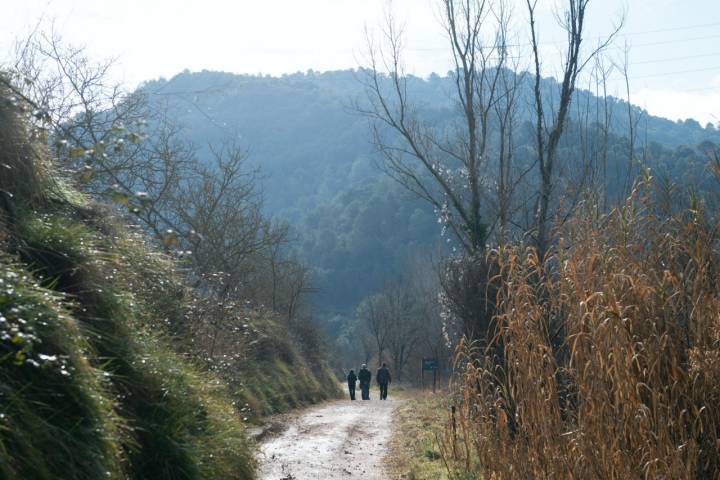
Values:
[(50, 395), (175, 421)]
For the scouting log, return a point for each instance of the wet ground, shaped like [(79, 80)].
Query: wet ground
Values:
[(338, 440)]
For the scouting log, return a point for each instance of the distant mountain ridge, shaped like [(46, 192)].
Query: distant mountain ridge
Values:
[(312, 114), (319, 164)]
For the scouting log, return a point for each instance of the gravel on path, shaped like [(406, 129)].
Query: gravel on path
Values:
[(338, 440)]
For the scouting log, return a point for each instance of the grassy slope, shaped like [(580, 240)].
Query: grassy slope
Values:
[(277, 377), (125, 399), (90, 387)]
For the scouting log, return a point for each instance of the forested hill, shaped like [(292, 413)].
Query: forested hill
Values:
[(319, 165)]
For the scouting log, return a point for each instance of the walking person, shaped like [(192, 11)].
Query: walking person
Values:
[(352, 380), (383, 379), (365, 376)]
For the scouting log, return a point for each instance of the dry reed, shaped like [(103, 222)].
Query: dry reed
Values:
[(606, 361)]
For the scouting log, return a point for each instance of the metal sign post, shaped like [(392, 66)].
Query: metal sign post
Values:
[(429, 364)]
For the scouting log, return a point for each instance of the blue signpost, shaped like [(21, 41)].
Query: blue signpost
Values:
[(429, 363)]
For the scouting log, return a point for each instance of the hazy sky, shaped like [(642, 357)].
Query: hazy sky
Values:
[(674, 44)]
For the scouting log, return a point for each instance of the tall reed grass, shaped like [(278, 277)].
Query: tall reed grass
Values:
[(605, 362)]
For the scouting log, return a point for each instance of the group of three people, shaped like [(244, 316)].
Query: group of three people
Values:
[(364, 376)]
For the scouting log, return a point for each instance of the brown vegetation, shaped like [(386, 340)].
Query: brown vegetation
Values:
[(610, 354)]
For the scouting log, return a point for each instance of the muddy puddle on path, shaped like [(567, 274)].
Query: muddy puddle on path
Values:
[(339, 440)]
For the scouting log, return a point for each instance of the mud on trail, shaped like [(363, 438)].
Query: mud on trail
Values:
[(338, 440)]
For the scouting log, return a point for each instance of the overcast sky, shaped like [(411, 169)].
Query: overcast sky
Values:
[(674, 44)]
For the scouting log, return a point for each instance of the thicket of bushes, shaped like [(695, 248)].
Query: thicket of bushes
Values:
[(604, 360), (98, 374)]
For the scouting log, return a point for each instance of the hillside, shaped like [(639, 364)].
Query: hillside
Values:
[(321, 170), (103, 370)]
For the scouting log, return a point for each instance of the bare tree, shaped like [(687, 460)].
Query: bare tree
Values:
[(97, 129), (603, 119), (89, 117), (403, 320), (372, 313), (123, 149), (450, 165), (295, 283), (550, 120), (447, 165), (510, 174), (220, 207), (633, 120)]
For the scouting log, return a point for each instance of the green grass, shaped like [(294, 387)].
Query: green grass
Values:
[(277, 378), (149, 414), (56, 412)]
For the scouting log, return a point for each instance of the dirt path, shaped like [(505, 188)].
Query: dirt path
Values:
[(339, 440)]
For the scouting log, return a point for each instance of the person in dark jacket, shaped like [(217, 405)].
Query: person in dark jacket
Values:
[(383, 378), (352, 379), (365, 376)]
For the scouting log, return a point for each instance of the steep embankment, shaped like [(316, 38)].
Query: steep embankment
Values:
[(89, 388), (280, 372), (91, 382)]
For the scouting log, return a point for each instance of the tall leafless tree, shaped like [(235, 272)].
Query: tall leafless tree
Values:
[(373, 314), (450, 165), (447, 165), (550, 120), (400, 307)]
